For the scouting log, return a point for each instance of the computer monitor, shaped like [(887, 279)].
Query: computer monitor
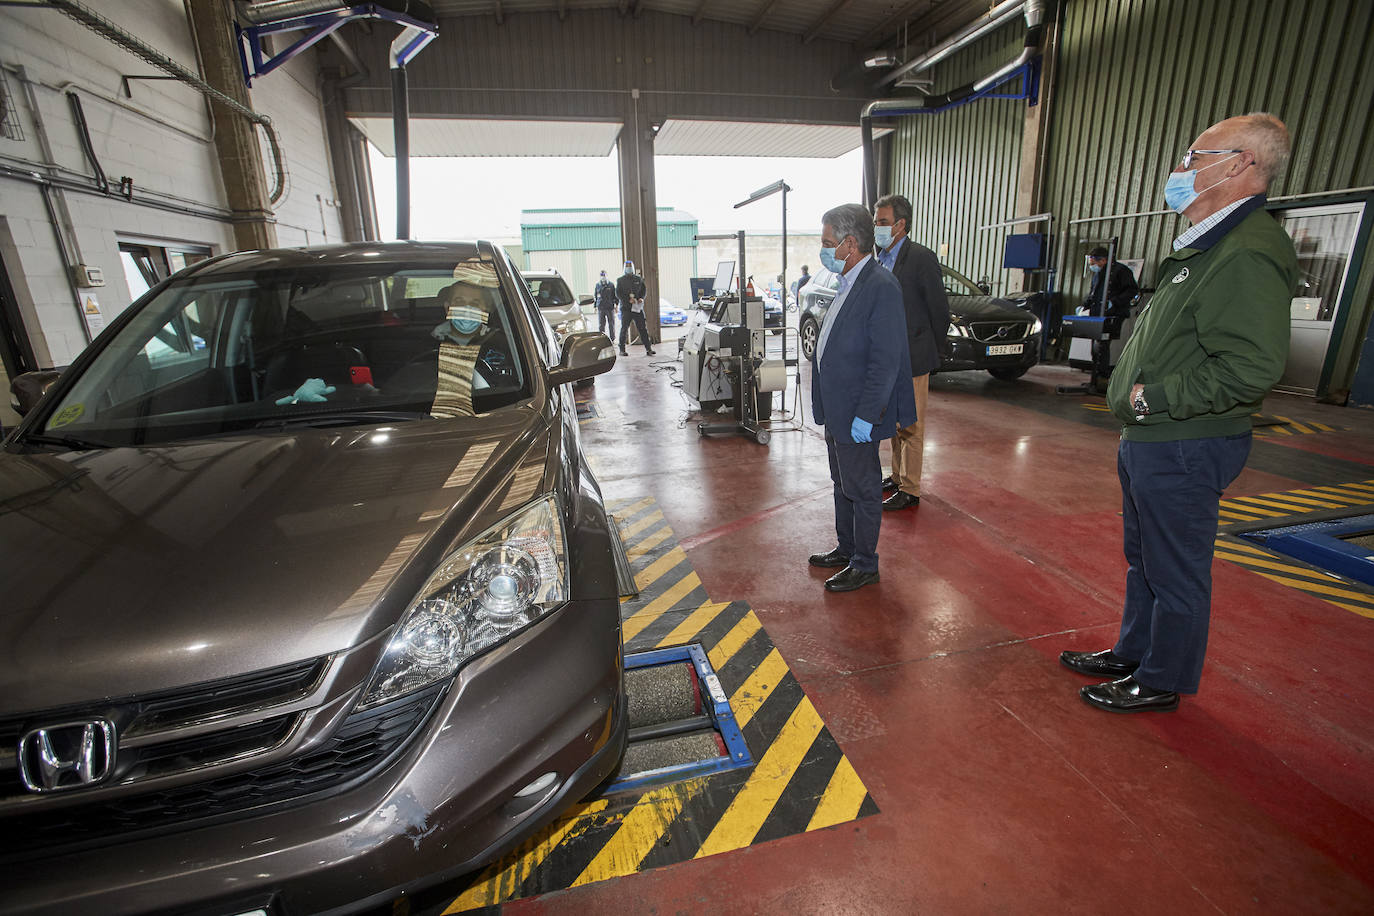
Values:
[(725, 273)]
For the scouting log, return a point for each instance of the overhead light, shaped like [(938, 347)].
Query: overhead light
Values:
[(880, 60)]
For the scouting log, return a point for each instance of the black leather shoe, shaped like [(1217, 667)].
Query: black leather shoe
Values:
[(1129, 695), (889, 483), (849, 578), (1098, 664), (649, 353), (832, 560), (623, 352), (900, 500)]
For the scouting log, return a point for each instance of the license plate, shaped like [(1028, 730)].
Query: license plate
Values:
[(1005, 349)]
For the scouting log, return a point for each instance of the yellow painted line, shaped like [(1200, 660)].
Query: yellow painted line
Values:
[(1317, 588), (1360, 486), (634, 508), (1349, 498), (1343, 490), (659, 568), (1237, 517), (506, 884), (1250, 561), (1324, 428), (752, 694), (1284, 501), (699, 620), (1293, 423), (1255, 510), (654, 609), (647, 521), (730, 643), (639, 832), (1247, 548), (740, 823), (1362, 611), (648, 543), (842, 799)]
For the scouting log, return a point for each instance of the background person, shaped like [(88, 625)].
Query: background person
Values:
[(604, 293), (629, 289), (1120, 281), (1201, 359), (927, 322), (859, 390)]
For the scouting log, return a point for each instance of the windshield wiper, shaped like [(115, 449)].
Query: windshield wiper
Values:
[(357, 418), (75, 443)]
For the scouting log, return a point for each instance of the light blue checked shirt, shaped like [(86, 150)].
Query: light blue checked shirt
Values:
[(888, 256), (1194, 233), (846, 284)]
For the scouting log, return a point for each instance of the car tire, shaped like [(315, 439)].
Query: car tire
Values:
[(1008, 373), (810, 332)]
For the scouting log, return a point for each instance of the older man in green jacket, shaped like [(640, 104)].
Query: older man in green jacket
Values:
[(1204, 353)]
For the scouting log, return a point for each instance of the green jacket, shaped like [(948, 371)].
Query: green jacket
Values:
[(1213, 339)]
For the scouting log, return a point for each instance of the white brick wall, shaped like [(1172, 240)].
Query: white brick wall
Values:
[(160, 136)]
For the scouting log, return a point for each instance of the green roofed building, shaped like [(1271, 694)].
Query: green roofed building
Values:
[(580, 243)]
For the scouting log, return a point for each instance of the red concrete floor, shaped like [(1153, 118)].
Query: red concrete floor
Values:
[(999, 790)]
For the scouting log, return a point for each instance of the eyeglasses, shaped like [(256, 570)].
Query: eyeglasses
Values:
[(1192, 154)]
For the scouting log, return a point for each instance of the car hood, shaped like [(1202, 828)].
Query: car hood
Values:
[(986, 308), (557, 314), (130, 570)]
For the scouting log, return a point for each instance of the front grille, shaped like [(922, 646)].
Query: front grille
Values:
[(993, 332), (365, 742), (202, 705)]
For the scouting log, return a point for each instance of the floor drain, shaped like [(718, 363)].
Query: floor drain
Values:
[(681, 725), (1344, 546)]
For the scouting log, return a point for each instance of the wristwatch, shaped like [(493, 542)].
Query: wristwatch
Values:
[(1141, 407)]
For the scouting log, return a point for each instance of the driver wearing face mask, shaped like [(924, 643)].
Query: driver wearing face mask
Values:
[(459, 349)]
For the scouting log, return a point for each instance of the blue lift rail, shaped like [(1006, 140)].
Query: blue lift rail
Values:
[(722, 718), (1327, 545)]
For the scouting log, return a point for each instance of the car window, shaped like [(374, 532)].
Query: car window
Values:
[(209, 356), (826, 279), (549, 291), (956, 284)]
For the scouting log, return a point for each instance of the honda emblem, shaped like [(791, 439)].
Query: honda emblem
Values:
[(73, 755)]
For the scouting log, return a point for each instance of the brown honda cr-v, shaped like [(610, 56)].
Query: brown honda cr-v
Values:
[(309, 596)]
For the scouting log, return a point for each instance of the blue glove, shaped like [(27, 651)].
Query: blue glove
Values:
[(312, 391), (861, 430)]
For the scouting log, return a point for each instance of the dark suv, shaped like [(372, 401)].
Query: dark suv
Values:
[(310, 595), (999, 335)]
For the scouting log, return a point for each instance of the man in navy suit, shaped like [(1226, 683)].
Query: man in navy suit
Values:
[(860, 390)]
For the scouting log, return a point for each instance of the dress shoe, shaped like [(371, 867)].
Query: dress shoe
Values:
[(900, 500), (889, 483), (849, 578), (1098, 664), (649, 353), (623, 352), (1129, 695), (833, 559)]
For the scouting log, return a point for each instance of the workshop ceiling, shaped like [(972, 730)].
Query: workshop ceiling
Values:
[(464, 137), (867, 23), (681, 137)]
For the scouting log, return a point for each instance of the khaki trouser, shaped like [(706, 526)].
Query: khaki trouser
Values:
[(910, 442)]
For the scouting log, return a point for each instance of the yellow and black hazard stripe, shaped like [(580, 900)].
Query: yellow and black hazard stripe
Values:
[(1352, 596), (1275, 425), (801, 782), (1281, 507)]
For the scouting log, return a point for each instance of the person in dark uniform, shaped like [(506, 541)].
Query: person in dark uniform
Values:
[(927, 323), (605, 306), (1122, 286), (629, 289)]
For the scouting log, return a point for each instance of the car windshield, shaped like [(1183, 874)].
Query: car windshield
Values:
[(275, 348), (550, 291), (956, 284)]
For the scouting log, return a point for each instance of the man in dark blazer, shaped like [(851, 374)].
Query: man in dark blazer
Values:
[(859, 390), (927, 323)]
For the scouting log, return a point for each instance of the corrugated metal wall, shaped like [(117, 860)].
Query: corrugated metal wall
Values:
[(1137, 80), (958, 168)]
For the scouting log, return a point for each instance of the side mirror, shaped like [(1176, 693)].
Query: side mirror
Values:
[(28, 389), (585, 301), (585, 354)]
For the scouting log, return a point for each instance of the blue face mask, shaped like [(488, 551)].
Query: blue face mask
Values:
[(832, 263), (465, 325), (883, 236), (1178, 190), (1095, 268)]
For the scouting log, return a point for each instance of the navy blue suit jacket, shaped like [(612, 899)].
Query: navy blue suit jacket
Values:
[(866, 369)]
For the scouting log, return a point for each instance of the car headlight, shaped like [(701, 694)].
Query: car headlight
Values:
[(497, 584), (956, 330), (1035, 327)]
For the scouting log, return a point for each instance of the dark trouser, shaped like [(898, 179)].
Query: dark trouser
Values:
[(605, 321), (858, 477), (1169, 502), (626, 316)]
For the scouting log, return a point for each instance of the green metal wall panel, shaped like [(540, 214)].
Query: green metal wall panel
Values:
[(565, 238), (1136, 82), (958, 168)]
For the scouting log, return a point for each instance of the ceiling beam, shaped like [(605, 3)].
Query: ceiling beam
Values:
[(500, 14), (893, 24), (763, 14), (562, 10), (815, 30), (701, 11)]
